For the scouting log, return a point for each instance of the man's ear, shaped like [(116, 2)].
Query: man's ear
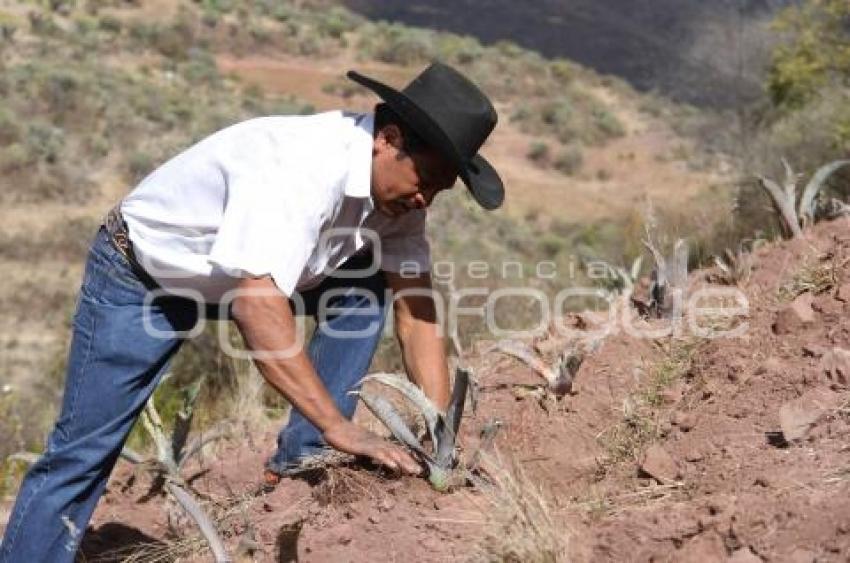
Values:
[(391, 135)]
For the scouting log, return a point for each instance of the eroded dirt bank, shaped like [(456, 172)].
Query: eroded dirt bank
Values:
[(669, 450)]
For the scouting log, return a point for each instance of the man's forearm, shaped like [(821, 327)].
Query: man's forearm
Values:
[(423, 353), (422, 346), (268, 327)]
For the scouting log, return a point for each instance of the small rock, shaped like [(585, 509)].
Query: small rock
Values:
[(703, 548), (694, 456), (771, 366), (744, 555), (836, 365), (684, 420), (843, 293), (798, 416), (814, 350), (386, 505), (660, 465), (374, 519), (802, 556), (826, 305), (762, 481), (672, 395), (795, 316)]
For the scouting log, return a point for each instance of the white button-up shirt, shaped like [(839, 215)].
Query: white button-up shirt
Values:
[(285, 196)]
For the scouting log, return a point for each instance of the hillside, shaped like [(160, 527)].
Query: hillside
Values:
[(687, 449), (98, 93), (654, 45)]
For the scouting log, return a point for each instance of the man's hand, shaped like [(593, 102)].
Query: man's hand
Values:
[(264, 318), (350, 438)]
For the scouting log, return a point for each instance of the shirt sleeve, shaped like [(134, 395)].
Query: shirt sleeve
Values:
[(264, 233), (404, 247)]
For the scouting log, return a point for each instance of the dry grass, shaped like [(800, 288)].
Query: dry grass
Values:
[(638, 426), (160, 552), (814, 277), (518, 522)]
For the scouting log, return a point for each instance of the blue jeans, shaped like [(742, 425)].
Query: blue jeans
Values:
[(114, 365)]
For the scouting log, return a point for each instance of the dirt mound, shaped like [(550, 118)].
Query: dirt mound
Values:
[(685, 449)]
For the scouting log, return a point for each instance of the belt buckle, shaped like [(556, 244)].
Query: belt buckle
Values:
[(117, 230)]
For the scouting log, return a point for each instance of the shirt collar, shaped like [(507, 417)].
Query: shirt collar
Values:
[(359, 180)]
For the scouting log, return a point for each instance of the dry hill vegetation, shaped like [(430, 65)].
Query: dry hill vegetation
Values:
[(95, 93)]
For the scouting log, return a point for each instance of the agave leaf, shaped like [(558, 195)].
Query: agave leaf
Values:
[(523, 352), (455, 412), (433, 417), (784, 205), (807, 201), (183, 419), (678, 273), (445, 445), (790, 180), (721, 265), (636, 266), (389, 417)]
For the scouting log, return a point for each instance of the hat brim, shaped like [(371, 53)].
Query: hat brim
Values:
[(477, 174)]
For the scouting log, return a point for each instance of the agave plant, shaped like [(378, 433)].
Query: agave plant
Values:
[(442, 427), (784, 197), (733, 267), (172, 452), (559, 378)]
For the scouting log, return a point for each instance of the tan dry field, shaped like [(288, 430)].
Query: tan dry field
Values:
[(636, 168)]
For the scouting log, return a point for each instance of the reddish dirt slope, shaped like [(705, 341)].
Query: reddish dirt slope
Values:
[(721, 482)]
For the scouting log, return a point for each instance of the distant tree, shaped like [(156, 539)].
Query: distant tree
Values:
[(816, 54)]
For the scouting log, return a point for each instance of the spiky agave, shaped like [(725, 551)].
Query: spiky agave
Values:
[(442, 427)]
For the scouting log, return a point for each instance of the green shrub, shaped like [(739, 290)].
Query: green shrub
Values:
[(562, 71), (44, 141), (607, 123), (460, 50), (538, 152), (558, 112), (10, 127), (14, 156), (569, 161), (522, 112), (85, 24), (110, 24), (8, 26), (336, 22), (398, 44), (139, 165)]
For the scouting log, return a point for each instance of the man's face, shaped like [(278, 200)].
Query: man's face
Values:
[(401, 181)]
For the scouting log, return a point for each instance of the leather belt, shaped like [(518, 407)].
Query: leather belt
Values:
[(119, 235)]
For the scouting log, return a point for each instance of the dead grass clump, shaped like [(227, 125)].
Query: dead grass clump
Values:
[(155, 552), (675, 364), (627, 438), (518, 522), (813, 277), (341, 485)]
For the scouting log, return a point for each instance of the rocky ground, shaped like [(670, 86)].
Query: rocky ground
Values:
[(672, 449)]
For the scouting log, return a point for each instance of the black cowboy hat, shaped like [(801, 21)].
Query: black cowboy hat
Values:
[(454, 117)]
